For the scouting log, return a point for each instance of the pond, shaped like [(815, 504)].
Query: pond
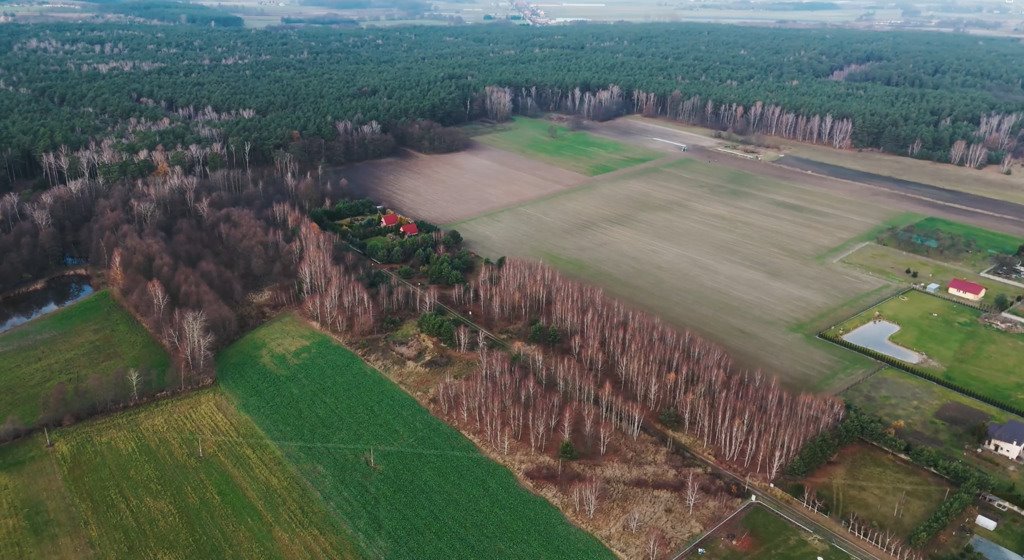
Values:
[(47, 298), (875, 336)]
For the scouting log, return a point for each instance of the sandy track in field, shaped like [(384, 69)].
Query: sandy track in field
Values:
[(451, 187)]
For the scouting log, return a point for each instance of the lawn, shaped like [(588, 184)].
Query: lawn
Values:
[(928, 414), (892, 264), (759, 534), (410, 486), (879, 488), (732, 255), (92, 337), (134, 485), (987, 243), (958, 346), (574, 150)]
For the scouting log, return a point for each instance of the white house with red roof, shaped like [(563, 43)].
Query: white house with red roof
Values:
[(967, 290), (409, 229), (388, 220)]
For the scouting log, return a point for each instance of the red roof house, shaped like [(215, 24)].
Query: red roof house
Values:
[(388, 220), (410, 229), (968, 290)]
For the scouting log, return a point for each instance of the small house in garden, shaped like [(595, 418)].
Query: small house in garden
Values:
[(389, 220), (409, 229), (1006, 439), (967, 290)]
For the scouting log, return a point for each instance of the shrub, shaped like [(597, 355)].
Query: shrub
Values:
[(567, 451)]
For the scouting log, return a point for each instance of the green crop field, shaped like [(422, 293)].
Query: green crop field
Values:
[(91, 337), (574, 150), (957, 345), (759, 534), (134, 485), (407, 484), (879, 488)]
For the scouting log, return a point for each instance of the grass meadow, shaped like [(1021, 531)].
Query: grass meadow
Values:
[(94, 336), (878, 487), (958, 346), (574, 150), (733, 255), (407, 484), (759, 534), (892, 264), (135, 485)]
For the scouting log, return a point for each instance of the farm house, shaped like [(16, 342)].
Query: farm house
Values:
[(409, 229), (967, 290), (388, 220), (1006, 439)]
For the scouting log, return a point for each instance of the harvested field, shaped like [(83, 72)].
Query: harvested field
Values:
[(135, 485), (450, 187), (731, 254), (878, 488)]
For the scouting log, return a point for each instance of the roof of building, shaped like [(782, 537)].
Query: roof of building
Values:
[(1011, 432), (410, 229), (933, 287), (389, 219), (962, 285)]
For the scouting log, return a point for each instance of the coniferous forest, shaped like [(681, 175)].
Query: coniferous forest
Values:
[(943, 97)]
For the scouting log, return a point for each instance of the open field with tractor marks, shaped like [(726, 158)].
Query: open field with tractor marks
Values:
[(878, 488), (952, 342), (760, 534), (450, 187), (87, 341), (731, 254), (558, 145), (184, 478), (407, 484)]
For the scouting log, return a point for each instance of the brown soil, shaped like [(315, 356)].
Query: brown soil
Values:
[(450, 187), (959, 414)]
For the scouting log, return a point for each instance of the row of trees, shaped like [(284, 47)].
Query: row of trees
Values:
[(633, 366), (906, 93)]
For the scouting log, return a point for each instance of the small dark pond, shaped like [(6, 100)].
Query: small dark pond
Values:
[(54, 294)]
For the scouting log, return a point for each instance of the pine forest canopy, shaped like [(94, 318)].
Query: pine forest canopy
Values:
[(904, 92)]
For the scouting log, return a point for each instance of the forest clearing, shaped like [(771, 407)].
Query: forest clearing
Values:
[(727, 253), (450, 187), (406, 483), (183, 478), (958, 347), (878, 488), (83, 344)]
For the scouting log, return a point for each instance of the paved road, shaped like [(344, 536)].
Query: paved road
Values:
[(942, 195)]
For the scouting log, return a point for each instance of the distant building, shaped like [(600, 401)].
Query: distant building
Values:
[(967, 290), (388, 220), (410, 229), (1006, 439)]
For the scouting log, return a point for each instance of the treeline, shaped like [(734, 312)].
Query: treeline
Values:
[(196, 256), (935, 96)]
